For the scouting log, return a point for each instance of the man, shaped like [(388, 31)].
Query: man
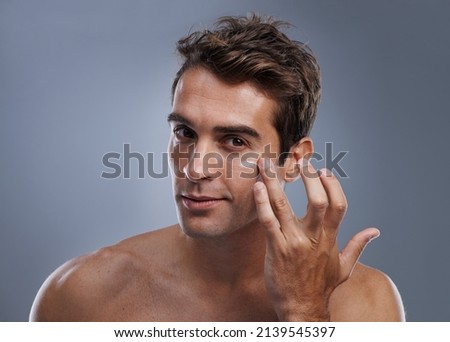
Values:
[(243, 104)]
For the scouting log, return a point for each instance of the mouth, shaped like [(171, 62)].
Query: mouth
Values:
[(200, 202)]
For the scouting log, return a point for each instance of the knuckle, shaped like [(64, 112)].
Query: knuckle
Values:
[(260, 200), (280, 203), (319, 204), (297, 245), (287, 217), (266, 220), (340, 207)]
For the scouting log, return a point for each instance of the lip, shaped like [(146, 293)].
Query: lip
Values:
[(200, 202)]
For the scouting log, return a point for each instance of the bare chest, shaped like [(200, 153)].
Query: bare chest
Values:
[(183, 303)]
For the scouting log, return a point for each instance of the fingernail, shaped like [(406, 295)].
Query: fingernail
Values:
[(375, 236), (303, 162), (325, 172), (272, 165), (267, 164), (258, 186)]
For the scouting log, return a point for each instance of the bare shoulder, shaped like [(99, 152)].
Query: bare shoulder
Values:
[(86, 287), (368, 295), (74, 291)]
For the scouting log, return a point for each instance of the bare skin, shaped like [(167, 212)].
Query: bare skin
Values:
[(238, 253)]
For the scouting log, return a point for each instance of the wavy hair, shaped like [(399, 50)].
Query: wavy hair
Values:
[(253, 49)]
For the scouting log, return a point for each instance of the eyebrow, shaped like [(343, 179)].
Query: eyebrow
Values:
[(178, 118), (242, 129)]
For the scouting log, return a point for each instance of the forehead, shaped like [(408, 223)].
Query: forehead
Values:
[(201, 96)]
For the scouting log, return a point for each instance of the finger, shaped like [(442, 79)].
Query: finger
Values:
[(350, 254), (277, 198), (337, 203), (317, 198), (266, 215)]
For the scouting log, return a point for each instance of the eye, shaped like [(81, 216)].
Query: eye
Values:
[(235, 141), (183, 132)]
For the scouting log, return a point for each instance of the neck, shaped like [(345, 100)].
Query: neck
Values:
[(231, 259)]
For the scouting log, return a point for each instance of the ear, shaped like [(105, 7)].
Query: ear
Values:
[(302, 149)]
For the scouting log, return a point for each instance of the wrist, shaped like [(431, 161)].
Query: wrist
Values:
[(301, 317), (305, 313)]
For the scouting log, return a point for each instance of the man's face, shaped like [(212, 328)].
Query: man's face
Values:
[(218, 132)]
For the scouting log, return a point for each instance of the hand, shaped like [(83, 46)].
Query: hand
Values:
[(303, 265)]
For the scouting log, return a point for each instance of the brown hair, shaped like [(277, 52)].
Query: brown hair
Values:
[(253, 49)]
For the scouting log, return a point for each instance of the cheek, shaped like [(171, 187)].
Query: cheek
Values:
[(243, 175), (178, 157), (242, 167), (244, 206)]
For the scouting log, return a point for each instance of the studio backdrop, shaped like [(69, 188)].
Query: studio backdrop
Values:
[(81, 79)]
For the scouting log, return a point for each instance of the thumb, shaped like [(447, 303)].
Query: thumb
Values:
[(349, 256)]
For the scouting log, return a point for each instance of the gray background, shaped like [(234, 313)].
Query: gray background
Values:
[(79, 79)]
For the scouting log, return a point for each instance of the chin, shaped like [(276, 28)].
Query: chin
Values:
[(204, 230), (207, 228), (203, 224)]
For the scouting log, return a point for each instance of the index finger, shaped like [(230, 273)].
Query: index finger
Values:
[(277, 198), (266, 216)]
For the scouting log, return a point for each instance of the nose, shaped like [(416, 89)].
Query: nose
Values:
[(194, 170), (199, 166)]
